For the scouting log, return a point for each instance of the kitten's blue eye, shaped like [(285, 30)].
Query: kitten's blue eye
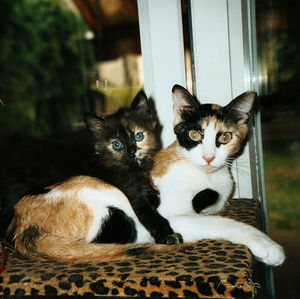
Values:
[(117, 145), (139, 136)]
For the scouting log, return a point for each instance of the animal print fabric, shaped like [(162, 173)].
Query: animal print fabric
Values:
[(205, 269)]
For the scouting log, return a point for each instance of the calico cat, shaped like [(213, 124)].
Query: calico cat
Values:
[(197, 165), (119, 151), (192, 172)]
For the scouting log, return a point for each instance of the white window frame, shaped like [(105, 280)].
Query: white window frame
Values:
[(163, 56)]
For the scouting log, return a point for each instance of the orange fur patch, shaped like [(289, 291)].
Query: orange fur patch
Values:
[(164, 159), (148, 143), (216, 107), (76, 183), (238, 135), (62, 215)]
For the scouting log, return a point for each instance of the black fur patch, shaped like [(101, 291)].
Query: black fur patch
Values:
[(217, 138), (204, 199), (30, 234), (117, 228), (181, 131), (153, 197)]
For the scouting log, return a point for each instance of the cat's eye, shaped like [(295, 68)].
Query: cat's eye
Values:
[(195, 135), (117, 145), (139, 136), (225, 137)]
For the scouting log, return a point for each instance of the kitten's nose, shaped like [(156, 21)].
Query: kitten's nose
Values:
[(208, 158), (131, 151)]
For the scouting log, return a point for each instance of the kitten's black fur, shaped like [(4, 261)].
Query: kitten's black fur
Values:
[(36, 165)]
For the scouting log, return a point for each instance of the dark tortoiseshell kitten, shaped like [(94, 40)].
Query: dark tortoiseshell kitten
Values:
[(118, 149)]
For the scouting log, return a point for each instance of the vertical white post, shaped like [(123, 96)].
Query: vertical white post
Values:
[(163, 56), (220, 65), (211, 51)]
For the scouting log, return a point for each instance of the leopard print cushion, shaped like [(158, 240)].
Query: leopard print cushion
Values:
[(207, 269)]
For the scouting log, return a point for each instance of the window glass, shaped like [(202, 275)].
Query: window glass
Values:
[(61, 58), (278, 46)]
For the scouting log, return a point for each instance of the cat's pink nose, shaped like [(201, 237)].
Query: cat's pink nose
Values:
[(208, 158)]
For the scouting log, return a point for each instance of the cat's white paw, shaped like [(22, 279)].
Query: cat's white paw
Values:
[(266, 250)]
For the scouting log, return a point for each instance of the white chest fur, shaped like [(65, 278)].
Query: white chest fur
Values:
[(183, 181)]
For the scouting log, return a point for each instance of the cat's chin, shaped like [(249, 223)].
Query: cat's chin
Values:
[(208, 168), (139, 161)]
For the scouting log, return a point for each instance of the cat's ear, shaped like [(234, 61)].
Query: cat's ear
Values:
[(143, 108), (94, 122), (241, 106), (140, 102), (183, 103)]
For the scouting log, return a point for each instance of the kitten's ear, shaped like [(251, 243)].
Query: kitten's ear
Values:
[(183, 102), (140, 102), (241, 106), (143, 108), (94, 122)]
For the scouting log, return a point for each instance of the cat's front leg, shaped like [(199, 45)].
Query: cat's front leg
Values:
[(157, 225), (141, 196), (196, 227), (153, 197)]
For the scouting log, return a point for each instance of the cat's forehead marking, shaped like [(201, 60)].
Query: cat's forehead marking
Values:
[(132, 127), (125, 129), (208, 121), (205, 122), (137, 129), (218, 124), (216, 107)]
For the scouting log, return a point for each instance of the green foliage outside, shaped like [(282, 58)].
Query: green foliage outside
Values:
[(44, 58), (282, 181)]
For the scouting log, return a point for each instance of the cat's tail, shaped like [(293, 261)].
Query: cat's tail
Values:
[(53, 248)]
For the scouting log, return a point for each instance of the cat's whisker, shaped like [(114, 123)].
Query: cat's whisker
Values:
[(228, 164), (148, 156), (241, 168)]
